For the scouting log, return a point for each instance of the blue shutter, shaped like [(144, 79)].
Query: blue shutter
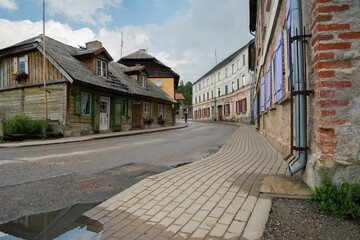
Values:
[(289, 54), (278, 79), (255, 108), (268, 85), (262, 94)]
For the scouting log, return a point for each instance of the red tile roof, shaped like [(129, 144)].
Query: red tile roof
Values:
[(179, 96)]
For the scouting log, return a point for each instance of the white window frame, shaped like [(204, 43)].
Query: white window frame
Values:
[(161, 110), (102, 69), (143, 80), (147, 109), (21, 63)]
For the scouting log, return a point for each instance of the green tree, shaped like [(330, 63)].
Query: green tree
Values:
[(186, 90)]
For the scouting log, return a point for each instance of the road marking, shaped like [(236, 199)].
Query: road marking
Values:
[(64, 155), (8, 161)]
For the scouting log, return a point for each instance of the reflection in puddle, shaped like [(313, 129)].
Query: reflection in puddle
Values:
[(67, 223)]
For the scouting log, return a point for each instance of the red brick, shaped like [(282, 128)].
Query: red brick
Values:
[(316, 2), (349, 35), (327, 113), (333, 8), (333, 65), (331, 27), (332, 46), (333, 122), (332, 103), (320, 18), (327, 93), (322, 37), (323, 56), (336, 84), (326, 74)]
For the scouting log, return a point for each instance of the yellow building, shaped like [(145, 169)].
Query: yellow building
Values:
[(160, 74)]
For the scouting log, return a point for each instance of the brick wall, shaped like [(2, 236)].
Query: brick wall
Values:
[(334, 77)]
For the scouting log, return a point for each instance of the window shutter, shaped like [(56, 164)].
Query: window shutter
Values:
[(96, 113), (245, 105), (278, 83), (15, 63), (262, 94), (26, 64), (77, 104), (289, 53), (117, 113), (255, 108), (268, 85)]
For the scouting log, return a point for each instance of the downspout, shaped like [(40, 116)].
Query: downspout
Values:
[(299, 85)]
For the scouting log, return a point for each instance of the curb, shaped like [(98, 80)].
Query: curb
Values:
[(89, 137)]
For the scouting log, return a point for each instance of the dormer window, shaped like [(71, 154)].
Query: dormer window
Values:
[(21, 64), (143, 81), (101, 68)]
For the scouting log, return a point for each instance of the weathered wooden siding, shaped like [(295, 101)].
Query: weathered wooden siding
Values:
[(78, 118), (35, 65), (34, 103), (10, 103), (167, 112)]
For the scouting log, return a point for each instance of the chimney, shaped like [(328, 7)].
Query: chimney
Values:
[(93, 45), (143, 49)]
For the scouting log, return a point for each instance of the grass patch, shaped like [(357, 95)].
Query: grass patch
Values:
[(341, 199)]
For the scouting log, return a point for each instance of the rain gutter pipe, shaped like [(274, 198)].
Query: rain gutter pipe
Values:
[(299, 85)]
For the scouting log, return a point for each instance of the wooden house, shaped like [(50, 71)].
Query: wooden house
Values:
[(86, 91)]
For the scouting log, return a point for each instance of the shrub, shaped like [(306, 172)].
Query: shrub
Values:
[(341, 199), (148, 120), (24, 125)]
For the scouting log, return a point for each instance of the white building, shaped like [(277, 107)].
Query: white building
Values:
[(223, 93)]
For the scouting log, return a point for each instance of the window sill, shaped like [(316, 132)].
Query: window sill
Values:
[(272, 108), (284, 98)]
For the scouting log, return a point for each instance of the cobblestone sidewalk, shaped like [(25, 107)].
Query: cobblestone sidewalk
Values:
[(217, 197)]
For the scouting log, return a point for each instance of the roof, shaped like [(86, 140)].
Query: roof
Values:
[(94, 52), (63, 57), (179, 96), (143, 55), (225, 61)]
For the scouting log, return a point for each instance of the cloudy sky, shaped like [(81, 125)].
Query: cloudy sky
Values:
[(183, 34)]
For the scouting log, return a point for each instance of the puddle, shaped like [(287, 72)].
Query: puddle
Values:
[(63, 224), (180, 164)]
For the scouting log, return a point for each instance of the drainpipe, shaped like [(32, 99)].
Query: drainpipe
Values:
[(299, 85)]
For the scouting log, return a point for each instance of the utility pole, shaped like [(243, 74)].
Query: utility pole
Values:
[(122, 44), (44, 65), (215, 88)]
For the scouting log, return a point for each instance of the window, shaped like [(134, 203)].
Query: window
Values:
[(233, 86), (212, 94), (161, 110), (232, 69), (238, 83), (204, 84), (203, 96), (199, 86), (207, 95), (212, 80), (243, 57), (244, 105), (226, 72), (219, 92), (195, 114), (143, 81), (237, 64), (218, 76), (227, 109), (147, 109), (21, 64), (195, 88), (101, 68), (238, 107), (195, 99), (208, 112), (199, 98), (226, 89), (85, 103), (124, 107), (243, 80), (207, 82)]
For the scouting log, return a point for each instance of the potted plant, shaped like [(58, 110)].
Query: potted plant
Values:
[(148, 120), (18, 76), (160, 120)]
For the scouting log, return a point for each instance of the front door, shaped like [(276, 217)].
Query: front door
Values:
[(136, 114), (220, 113), (104, 113)]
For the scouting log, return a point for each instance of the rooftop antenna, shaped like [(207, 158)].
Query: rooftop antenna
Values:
[(44, 64), (122, 44)]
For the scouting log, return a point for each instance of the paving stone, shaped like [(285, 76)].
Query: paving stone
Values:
[(237, 227), (193, 208), (159, 216), (200, 215), (217, 212), (167, 221), (209, 205), (226, 218), (231, 236), (209, 223), (242, 216), (190, 227), (177, 212), (200, 233), (183, 219), (219, 230)]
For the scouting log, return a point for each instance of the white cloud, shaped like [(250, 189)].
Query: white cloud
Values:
[(8, 4), (186, 43), (85, 11)]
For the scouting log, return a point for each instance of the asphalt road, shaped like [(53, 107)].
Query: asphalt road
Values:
[(42, 178)]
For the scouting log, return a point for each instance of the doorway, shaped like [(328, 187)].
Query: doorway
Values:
[(104, 113)]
